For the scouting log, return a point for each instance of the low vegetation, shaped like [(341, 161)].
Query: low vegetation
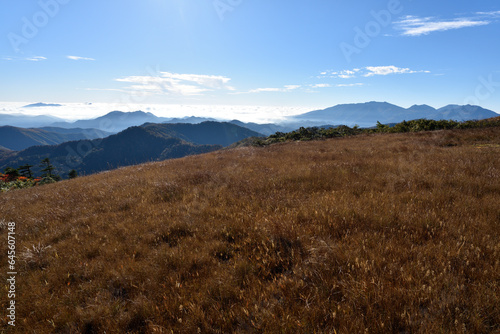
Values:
[(316, 133), (23, 176), (376, 233)]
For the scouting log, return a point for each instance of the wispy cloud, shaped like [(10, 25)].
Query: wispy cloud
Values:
[(308, 88), (33, 58), (368, 71), (344, 74), (493, 14), (79, 58), (176, 84), (287, 88), (321, 86), (37, 58), (386, 70), (417, 26), (358, 84)]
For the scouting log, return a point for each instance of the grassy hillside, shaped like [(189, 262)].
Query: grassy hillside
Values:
[(379, 233)]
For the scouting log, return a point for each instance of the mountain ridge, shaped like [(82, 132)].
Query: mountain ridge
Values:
[(17, 139), (28, 121), (134, 145), (369, 113), (114, 121), (363, 114), (41, 104), (205, 133)]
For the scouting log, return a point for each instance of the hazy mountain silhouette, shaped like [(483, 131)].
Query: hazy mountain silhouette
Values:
[(18, 139), (191, 120), (114, 121), (26, 121), (457, 112), (362, 114), (89, 133), (367, 114), (40, 104), (266, 129)]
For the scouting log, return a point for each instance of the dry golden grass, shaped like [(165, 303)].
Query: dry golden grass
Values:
[(392, 233)]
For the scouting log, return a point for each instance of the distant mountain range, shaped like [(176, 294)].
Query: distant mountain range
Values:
[(266, 129), (362, 114), (138, 144), (368, 114), (141, 136), (40, 104), (191, 120), (18, 139), (206, 133), (25, 121), (114, 121), (53, 130), (117, 121), (94, 133)]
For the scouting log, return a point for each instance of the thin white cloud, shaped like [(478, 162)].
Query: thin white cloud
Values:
[(310, 88), (284, 89), (79, 58), (370, 71), (36, 58), (358, 84), (493, 13), (386, 70), (176, 84), (287, 88), (321, 86), (417, 26), (345, 74), (260, 90), (108, 90), (33, 58)]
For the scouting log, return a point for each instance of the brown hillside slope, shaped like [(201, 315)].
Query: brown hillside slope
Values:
[(393, 233)]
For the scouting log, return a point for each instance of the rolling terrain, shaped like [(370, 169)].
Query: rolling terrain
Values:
[(4, 152), (380, 233), (206, 133), (150, 142), (18, 139)]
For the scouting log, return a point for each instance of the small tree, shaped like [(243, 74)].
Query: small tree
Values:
[(73, 174), (12, 174), (48, 168), (26, 171), (382, 127)]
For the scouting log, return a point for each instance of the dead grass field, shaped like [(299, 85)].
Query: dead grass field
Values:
[(392, 233)]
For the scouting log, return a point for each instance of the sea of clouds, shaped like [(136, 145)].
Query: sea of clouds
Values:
[(76, 111)]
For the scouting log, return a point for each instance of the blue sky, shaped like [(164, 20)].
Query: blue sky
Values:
[(251, 52)]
